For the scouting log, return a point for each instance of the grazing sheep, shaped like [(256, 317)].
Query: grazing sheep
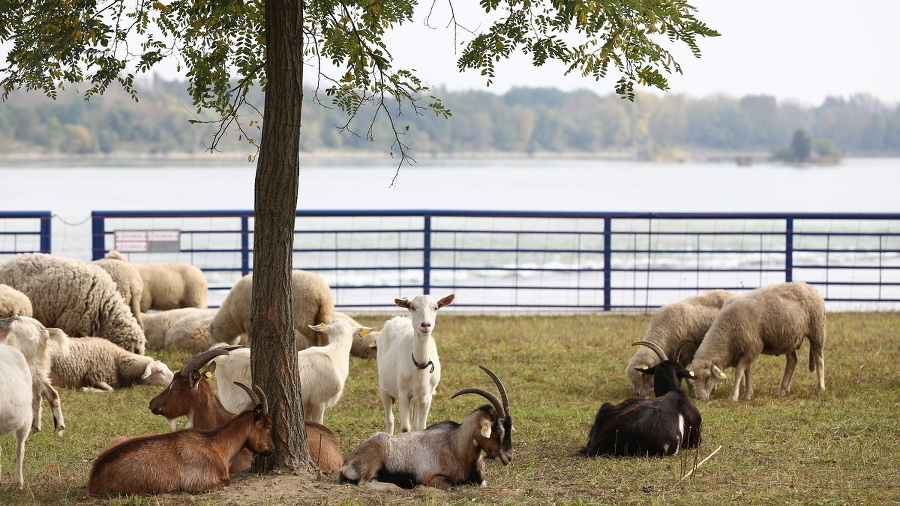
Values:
[(408, 365), (660, 426), (91, 362), (15, 406), (170, 285), (128, 282), (444, 456), (158, 323), (14, 303), (79, 298), (191, 332), (363, 346), (33, 340), (323, 371), (686, 319), (771, 320), (312, 299), (189, 460), (190, 395)]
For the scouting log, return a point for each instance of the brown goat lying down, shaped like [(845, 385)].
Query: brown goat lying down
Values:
[(189, 394), (188, 460)]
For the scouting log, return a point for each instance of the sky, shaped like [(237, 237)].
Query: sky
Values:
[(798, 50)]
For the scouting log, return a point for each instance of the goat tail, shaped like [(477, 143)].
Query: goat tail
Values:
[(60, 338)]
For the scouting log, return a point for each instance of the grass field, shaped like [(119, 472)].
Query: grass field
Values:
[(837, 447)]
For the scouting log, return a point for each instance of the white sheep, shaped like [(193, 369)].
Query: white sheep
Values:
[(15, 406), (95, 363), (312, 301), (686, 319), (191, 332), (771, 320), (128, 281), (158, 323), (77, 297), (323, 371), (14, 303), (408, 366), (170, 285), (33, 340)]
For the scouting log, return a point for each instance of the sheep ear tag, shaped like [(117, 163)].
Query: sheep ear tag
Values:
[(147, 371), (722, 375), (486, 431)]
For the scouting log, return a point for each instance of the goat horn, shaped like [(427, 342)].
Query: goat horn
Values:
[(501, 413), (500, 387), (679, 347), (253, 398), (655, 347), (262, 398), (202, 358)]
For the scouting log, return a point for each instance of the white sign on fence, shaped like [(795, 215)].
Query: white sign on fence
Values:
[(148, 241)]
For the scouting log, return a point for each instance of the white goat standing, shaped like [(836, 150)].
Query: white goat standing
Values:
[(15, 407), (409, 369), (323, 371)]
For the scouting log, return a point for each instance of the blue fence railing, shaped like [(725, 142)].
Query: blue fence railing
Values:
[(540, 261), (25, 231)]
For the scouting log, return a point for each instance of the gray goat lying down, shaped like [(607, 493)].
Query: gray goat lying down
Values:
[(444, 455)]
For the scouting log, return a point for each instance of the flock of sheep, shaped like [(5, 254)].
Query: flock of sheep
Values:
[(115, 310)]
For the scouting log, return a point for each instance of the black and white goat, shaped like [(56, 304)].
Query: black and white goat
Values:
[(659, 426), (444, 455)]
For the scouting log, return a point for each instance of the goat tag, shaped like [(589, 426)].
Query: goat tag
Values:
[(486, 431)]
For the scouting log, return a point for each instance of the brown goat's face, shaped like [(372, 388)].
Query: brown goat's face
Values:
[(176, 400), (260, 438), (495, 439)]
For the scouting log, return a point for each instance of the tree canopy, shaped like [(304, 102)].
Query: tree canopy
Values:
[(227, 46)]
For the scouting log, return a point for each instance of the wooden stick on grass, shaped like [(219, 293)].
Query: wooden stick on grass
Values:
[(701, 462)]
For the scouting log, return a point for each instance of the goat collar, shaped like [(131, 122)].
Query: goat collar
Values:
[(422, 366)]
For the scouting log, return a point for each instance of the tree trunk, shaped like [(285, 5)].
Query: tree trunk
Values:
[(274, 349)]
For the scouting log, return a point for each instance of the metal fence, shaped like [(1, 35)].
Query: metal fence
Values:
[(25, 231), (535, 261)]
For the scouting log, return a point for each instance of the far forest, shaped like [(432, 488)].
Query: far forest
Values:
[(523, 121)]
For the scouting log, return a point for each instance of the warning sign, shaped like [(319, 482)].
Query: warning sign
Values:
[(148, 241)]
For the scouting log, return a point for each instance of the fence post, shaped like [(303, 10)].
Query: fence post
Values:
[(426, 256), (46, 233), (789, 250), (607, 264), (245, 245), (98, 236)]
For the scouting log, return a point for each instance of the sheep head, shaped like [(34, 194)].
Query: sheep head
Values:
[(495, 436), (707, 376)]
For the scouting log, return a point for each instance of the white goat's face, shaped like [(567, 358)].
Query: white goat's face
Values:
[(423, 311), (157, 373), (706, 376)]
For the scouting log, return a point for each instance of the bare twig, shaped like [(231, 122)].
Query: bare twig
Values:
[(701, 462)]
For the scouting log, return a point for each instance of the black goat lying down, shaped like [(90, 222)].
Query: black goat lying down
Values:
[(659, 426), (444, 455)]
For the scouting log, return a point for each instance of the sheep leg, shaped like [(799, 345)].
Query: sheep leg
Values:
[(403, 409), (388, 403), (52, 396), (742, 368), (789, 366)]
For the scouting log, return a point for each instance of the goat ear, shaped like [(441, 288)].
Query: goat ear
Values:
[(195, 378), (318, 328), (257, 412), (403, 302), (646, 370), (446, 300), (362, 331)]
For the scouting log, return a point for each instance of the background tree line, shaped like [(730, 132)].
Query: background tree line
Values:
[(523, 120)]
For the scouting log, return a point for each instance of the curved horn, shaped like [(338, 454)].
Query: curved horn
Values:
[(500, 387), (262, 398), (653, 346), (501, 413), (202, 358), (679, 347), (253, 397)]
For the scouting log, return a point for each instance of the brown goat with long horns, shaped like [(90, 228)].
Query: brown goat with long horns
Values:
[(190, 395), (189, 460)]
